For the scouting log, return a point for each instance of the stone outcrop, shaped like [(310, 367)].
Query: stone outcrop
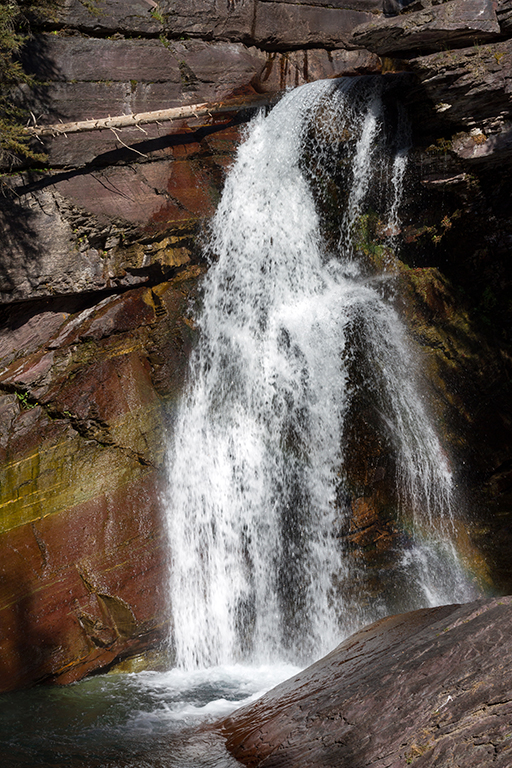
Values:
[(281, 25), (470, 91), (86, 77), (116, 226), (274, 24), (432, 28), (426, 688)]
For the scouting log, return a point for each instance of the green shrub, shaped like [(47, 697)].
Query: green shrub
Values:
[(17, 18)]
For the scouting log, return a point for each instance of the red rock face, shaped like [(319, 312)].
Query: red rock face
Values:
[(83, 550), (87, 384), (82, 586)]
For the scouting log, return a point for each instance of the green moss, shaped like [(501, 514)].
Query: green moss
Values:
[(56, 476), (24, 400), (187, 76), (92, 7), (441, 147), (370, 241)]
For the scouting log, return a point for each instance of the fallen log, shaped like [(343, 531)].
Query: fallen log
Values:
[(143, 118)]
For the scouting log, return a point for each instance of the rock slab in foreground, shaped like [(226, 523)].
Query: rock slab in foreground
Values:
[(428, 688)]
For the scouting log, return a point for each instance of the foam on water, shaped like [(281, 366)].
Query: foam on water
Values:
[(144, 720), (206, 693)]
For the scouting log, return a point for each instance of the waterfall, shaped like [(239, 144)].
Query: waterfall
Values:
[(257, 487)]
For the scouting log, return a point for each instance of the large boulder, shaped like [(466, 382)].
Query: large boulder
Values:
[(427, 688)]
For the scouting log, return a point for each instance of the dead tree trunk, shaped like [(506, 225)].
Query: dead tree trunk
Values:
[(143, 118)]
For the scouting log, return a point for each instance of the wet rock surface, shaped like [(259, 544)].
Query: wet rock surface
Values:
[(85, 393), (462, 325), (432, 687)]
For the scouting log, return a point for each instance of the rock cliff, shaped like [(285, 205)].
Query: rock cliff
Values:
[(101, 258)]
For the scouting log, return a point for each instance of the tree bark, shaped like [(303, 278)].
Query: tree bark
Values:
[(161, 115)]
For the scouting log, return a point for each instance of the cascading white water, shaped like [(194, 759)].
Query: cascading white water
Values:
[(256, 465)]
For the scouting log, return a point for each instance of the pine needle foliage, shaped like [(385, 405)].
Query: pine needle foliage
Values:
[(17, 19)]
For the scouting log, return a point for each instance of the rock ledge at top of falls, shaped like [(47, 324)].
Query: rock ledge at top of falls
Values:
[(431, 28), (273, 24), (431, 687)]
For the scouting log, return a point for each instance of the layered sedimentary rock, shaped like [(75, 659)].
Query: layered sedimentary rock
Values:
[(87, 77), (432, 27), (430, 687), (280, 24), (82, 449), (112, 226)]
